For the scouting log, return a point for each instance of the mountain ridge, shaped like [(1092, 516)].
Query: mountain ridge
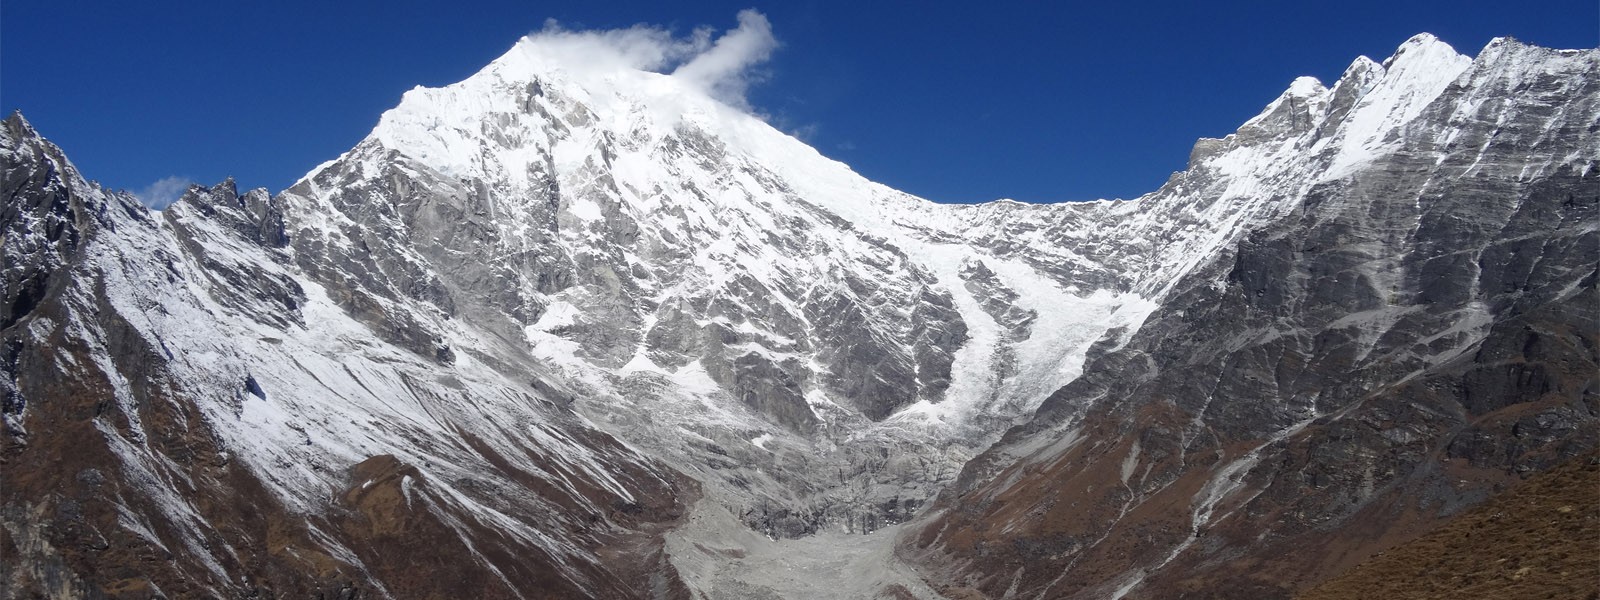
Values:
[(1390, 326)]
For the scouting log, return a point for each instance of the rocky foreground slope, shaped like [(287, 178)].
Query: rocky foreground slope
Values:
[(572, 328)]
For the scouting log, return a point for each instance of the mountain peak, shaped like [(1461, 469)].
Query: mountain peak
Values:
[(718, 67), (1421, 40), (1360, 69), (556, 88), (19, 131), (1390, 95), (1305, 86), (19, 123), (1424, 50)]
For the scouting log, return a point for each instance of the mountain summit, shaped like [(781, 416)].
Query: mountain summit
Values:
[(580, 327)]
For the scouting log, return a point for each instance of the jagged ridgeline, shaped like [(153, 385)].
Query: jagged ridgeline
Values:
[(570, 329)]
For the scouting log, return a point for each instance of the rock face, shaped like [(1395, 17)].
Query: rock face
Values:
[(587, 332), (1417, 327), (187, 416)]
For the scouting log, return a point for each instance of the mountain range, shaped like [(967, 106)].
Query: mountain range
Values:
[(571, 329)]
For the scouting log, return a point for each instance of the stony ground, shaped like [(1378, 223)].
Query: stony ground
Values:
[(726, 560)]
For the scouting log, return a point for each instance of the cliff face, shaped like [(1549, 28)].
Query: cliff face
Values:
[(1415, 333)]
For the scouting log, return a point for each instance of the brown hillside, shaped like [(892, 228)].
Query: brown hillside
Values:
[(1540, 539)]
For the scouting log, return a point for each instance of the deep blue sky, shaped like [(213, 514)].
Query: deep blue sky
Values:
[(957, 102)]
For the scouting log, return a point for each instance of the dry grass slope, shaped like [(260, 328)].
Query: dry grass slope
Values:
[(1540, 539)]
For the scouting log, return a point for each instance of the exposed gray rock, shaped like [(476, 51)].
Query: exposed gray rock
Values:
[(1419, 326)]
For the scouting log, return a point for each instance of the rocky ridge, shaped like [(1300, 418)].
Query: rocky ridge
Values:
[(1415, 329), (187, 417)]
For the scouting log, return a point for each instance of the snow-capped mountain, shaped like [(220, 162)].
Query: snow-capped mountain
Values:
[(707, 287), (573, 328), (1415, 328)]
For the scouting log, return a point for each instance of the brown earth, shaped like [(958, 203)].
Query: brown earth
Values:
[(1540, 539)]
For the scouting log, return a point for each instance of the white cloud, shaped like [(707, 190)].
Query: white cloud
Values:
[(722, 68), (638, 47), (805, 133), (163, 192)]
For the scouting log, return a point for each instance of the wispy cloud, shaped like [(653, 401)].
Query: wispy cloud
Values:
[(723, 67), (805, 133), (638, 47), (163, 192)]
